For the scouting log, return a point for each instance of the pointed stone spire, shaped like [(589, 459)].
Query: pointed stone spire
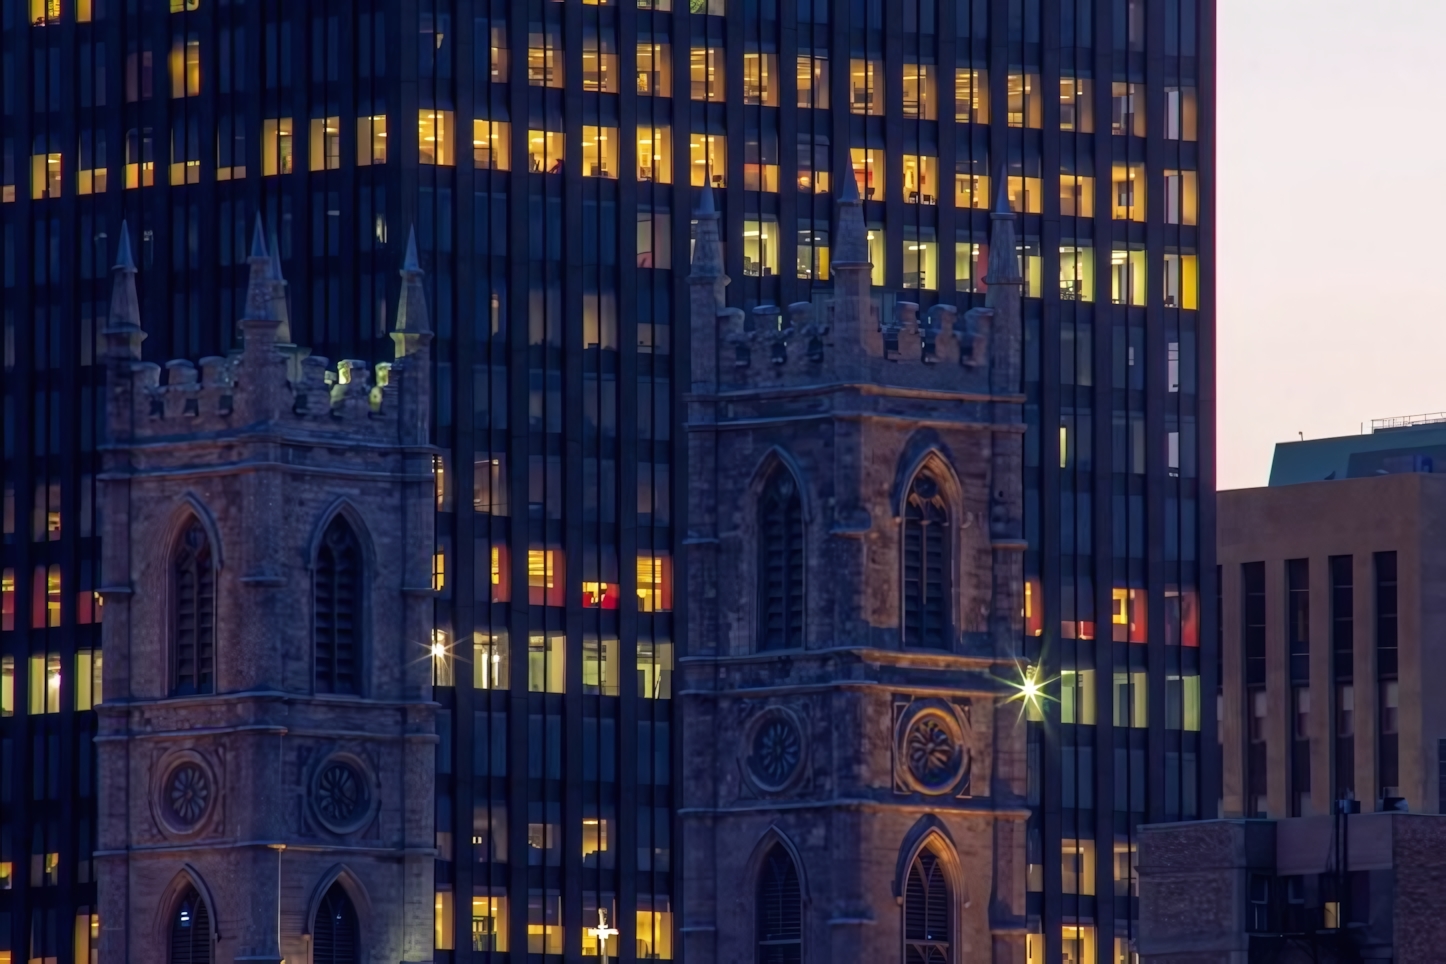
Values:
[(280, 302), (707, 246), (851, 246), (123, 334), (414, 326), (1003, 268), (258, 285)]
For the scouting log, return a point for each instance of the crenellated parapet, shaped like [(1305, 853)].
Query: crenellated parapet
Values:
[(267, 384)]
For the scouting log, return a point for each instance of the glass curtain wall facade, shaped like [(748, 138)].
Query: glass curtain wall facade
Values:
[(548, 155)]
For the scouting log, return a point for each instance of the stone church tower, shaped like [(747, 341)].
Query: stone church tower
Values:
[(266, 745), (854, 768)]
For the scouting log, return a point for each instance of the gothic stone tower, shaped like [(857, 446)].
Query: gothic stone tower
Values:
[(266, 742), (854, 772)]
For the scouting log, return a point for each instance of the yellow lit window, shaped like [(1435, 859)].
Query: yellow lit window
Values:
[(655, 670), (489, 924), (489, 661), (371, 140), (1025, 107), (599, 151), (545, 151), (544, 59), (51, 576), (1076, 109), (969, 270), (1182, 702), (43, 12), (655, 70), (600, 665), (1079, 944), (91, 171), (760, 164), (1128, 615), (604, 919), (1127, 277), (1077, 866), (1180, 120), (7, 599), (1026, 195), (655, 934), (547, 663), (1077, 696), (7, 881), (185, 66), (45, 176), (760, 78), (52, 869), (971, 95), (813, 79), (1127, 109), (435, 138), (705, 71), (88, 664), (439, 570), (921, 259), (920, 99), (443, 670), (655, 582), (544, 921), (442, 921), (866, 86), (1076, 272), (182, 6), (1182, 281), (1127, 192), (44, 684), (655, 154), (491, 145), (599, 63), (708, 159), (868, 163), (84, 13), (971, 188), (1076, 195), (1182, 197), (545, 579), (87, 936), (760, 251), (921, 179), (325, 153), (500, 53), (276, 146), (7, 686)]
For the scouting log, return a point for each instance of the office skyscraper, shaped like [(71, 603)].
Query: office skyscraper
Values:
[(556, 251)]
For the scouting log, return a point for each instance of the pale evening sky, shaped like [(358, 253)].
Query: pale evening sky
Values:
[(1332, 221)]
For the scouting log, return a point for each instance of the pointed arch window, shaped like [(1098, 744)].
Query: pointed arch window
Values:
[(928, 912), (336, 937), (926, 565), (193, 653), (780, 910), (191, 930), (337, 590), (780, 563)]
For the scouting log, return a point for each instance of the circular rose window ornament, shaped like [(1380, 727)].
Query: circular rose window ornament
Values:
[(342, 795), (931, 753), (185, 794), (775, 750)]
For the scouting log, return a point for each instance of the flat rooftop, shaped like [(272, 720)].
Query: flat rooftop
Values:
[(1412, 443)]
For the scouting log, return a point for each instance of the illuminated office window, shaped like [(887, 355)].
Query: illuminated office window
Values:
[(654, 933), (655, 154), (600, 665), (185, 151), (545, 150), (708, 159), (971, 95), (1076, 195), (921, 179), (760, 161), (545, 578), (921, 258), (489, 661), (45, 175), (705, 74), (88, 663), (1076, 272), (655, 70), (7, 685), (276, 146), (547, 663), (44, 684), (1078, 944), (1025, 105), (1026, 194), (655, 582), (185, 65), (1127, 109), (371, 140), (436, 138), (877, 245), (325, 152), (812, 250), (1182, 280), (491, 145), (1077, 696), (44, 12), (971, 185), (599, 151), (760, 247), (1127, 192), (7, 599), (1128, 615), (544, 58), (1131, 698), (655, 670), (184, 6), (599, 63), (91, 169), (489, 924), (760, 78), (868, 164), (1076, 106), (920, 99), (1077, 866), (1182, 197), (866, 87)]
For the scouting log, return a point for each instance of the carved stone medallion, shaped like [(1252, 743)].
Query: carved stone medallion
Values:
[(341, 794), (184, 794), (774, 750), (931, 751)]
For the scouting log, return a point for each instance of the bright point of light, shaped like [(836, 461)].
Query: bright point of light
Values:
[(439, 650)]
